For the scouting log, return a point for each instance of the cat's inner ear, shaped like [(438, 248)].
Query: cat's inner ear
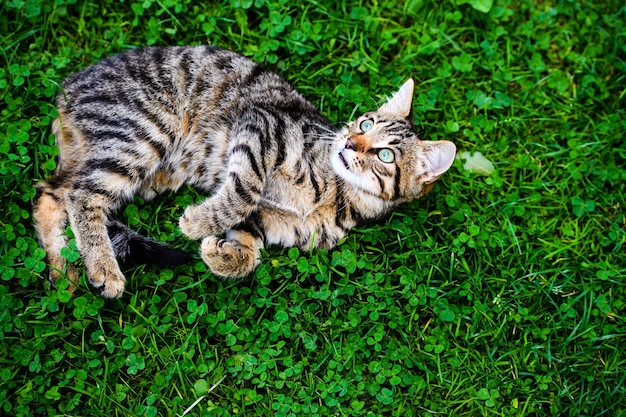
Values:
[(400, 103), (439, 158)]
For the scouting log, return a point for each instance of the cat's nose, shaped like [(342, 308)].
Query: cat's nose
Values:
[(350, 144)]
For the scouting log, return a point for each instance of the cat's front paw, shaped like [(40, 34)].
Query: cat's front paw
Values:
[(192, 224), (228, 259)]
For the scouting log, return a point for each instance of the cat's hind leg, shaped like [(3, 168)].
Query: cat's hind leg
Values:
[(50, 218), (87, 211), (235, 257)]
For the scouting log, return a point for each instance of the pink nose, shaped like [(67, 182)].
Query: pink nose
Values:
[(350, 144)]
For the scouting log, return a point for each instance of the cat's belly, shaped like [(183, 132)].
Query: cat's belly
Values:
[(285, 233), (287, 227)]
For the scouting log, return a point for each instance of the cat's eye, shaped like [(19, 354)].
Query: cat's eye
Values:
[(366, 125), (386, 155)]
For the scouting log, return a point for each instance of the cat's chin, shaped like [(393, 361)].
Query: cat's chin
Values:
[(341, 168)]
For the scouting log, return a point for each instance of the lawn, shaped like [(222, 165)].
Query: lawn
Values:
[(501, 293)]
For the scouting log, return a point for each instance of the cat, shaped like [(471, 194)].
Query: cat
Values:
[(277, 172)]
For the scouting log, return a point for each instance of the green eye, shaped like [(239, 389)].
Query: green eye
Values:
[(386, 155), (366, 125)]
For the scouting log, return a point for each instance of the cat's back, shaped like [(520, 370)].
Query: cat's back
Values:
[(168, 85), (156, 75)]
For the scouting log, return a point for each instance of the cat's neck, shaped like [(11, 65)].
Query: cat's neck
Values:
[(366, 205)]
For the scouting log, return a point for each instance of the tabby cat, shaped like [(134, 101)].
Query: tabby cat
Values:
[(276, 170)]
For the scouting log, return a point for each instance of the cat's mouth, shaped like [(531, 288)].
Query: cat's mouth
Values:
[(344, 161)]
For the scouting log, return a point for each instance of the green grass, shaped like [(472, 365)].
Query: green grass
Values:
[(500, 295)]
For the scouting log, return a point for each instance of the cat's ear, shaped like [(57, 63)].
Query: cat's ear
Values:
[(439, 158), (400, 103)]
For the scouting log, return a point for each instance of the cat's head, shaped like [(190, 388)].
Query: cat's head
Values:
[(381, 154)]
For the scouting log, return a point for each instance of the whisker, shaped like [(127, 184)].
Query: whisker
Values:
[(326, 128), (321, 138)]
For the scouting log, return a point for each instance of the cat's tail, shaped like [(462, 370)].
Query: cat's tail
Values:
[(132, 248)]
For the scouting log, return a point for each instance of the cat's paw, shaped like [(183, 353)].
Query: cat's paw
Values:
[(228, 259), (192, 223), (111, 289), (109, 283)]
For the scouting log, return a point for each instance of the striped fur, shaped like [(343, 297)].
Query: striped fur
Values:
[(275, 170)]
